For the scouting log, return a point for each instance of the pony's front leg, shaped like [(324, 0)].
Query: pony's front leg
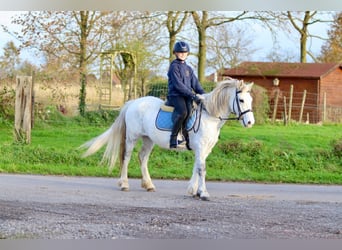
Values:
[(193, 183), (197, 186), (202, 189), (144, 155)]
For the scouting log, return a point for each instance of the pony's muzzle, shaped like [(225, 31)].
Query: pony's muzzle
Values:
[(248, 120)]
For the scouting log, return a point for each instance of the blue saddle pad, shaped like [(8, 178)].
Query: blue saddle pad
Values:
[(164, 120)]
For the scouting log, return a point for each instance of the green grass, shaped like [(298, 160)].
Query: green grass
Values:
[(264, 153)]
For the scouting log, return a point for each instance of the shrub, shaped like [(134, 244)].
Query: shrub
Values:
[(237, 147), (337, 147), (260, 104), (7, 100), (99, 117)]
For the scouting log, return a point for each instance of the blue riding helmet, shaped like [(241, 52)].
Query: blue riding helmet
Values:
[(181, 47)]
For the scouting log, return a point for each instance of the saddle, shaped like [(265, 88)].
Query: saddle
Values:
[(164, 119)]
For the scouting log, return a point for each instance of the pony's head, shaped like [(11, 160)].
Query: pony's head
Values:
[(241, 105), (231, 96)]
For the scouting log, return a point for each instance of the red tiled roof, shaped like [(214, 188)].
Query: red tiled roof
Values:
[(280, 69)]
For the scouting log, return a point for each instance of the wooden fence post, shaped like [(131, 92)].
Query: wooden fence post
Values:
[(324, 106), (23, 109), (290, 103), (285, 112), (275, 106), (302, 106)]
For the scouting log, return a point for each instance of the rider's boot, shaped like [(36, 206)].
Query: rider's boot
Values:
[(174, 133), (186, 137)]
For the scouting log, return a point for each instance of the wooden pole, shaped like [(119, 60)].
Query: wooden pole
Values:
[(33, 100), (275, 105), (324, 106), (290, 103), (23, 109), (285, 112), (302, 106)]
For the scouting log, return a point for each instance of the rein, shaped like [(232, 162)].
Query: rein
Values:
[(199, 113), (236, 101)]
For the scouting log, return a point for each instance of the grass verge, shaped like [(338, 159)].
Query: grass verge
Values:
[(264, 153)]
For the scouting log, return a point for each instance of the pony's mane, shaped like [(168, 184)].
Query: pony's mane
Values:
[(217, 101)]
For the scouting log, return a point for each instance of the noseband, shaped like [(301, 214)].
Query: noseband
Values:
[(239, 113)]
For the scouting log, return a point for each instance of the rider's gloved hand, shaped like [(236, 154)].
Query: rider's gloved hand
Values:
[(198, 98)]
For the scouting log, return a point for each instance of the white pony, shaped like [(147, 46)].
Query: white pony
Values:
[(137, 120)]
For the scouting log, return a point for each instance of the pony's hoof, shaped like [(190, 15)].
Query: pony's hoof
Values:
[(192, 191), (125, 189), (205, 198), (202, 196), (196, 196), (152, 189)]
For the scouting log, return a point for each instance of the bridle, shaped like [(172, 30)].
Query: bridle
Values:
[(239, 114)]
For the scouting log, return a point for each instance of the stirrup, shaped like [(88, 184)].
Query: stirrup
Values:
[(179, 145)]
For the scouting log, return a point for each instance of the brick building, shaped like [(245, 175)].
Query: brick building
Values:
[(322, 81)]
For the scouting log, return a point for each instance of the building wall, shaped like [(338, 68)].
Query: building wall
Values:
[(331, 85), (311, 112)]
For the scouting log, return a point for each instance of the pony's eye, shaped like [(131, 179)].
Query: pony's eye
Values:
[(241, 100)]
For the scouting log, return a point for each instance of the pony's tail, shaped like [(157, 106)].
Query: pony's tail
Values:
[(114, 137)]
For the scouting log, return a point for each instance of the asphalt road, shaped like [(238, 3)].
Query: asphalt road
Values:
[(51, 207)]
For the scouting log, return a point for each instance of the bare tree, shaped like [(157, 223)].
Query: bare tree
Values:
[(175, 22), (75, 37), (278, 54), (228, 46), (203, 21), (142, 36), (301, 21)]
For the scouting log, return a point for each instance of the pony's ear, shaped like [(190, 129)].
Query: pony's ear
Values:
[(240, 85), (248, 87)]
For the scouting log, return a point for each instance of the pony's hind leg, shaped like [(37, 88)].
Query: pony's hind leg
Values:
[(144, 155), (126, 156)]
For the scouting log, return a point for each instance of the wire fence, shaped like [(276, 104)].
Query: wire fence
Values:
[(288, 106), (295, 106), (303, 107)]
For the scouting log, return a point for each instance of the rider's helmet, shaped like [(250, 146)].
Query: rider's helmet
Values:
[(181, 47)]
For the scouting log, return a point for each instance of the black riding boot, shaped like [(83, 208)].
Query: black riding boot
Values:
[(175, 130), (186, 137)]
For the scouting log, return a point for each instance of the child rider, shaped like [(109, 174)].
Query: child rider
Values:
[(183, 89)]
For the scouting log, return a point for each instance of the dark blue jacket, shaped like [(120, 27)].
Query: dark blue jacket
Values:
[(182, 80)]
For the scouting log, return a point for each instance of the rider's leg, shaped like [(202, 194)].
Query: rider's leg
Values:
[(179, 114), (184, 130)]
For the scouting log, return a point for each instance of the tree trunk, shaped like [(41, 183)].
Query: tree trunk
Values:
[(303, 32), (202, 50), (202, 54), (171, 44), (303, 50), (83, 61), (174, 28), (304, 37)]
